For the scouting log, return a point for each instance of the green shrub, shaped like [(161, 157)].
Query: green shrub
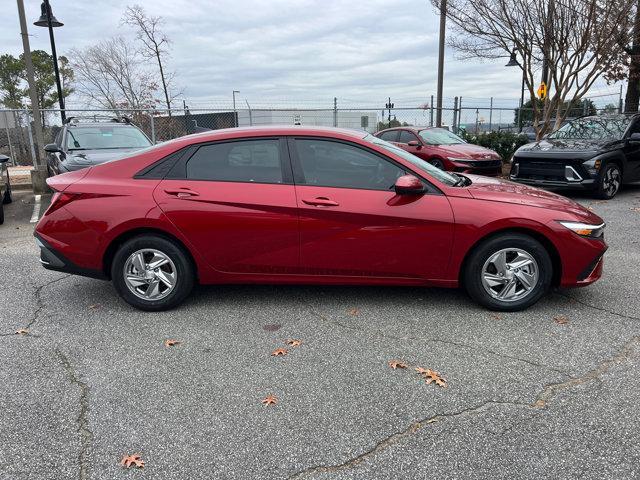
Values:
[(504, 143)]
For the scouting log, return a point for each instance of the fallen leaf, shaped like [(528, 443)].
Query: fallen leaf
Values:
[(294, 343), (635, 209), (561, 320), (496, 316), (421, 370), (397, 364), (278, 352), (433, 376), (269, 400), (22, 331), (129, 460), (94, 306), (171, 343), (353, 311)]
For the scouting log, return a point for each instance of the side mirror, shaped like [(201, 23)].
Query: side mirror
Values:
[(3, 158), (409, 185), (52, 148), (634, 137), (414, 143)]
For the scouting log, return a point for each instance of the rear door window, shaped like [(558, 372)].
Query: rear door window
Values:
[(250, 161), (389, 136), (406, 136)]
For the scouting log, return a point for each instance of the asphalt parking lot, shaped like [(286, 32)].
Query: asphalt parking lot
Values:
[(552, 392)]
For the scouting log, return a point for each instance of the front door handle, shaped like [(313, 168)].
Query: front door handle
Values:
[(182, 192), (320, 202)]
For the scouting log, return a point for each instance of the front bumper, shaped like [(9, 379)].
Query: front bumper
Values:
[(552, 173), (51, 259)]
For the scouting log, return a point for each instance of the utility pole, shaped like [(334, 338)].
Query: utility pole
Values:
[(443, 23), (39, 173), (235, 113)]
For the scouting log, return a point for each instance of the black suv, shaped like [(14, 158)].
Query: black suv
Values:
[(598, 153), (82, 143), (5, 185)]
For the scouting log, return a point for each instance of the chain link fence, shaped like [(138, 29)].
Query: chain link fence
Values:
[(17, 138)]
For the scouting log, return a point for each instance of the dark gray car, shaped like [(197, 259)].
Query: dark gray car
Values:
[(84, 143), (5, 186)]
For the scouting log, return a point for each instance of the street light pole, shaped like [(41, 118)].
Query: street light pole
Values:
[(443, 22), (235, 113), (48, 20)]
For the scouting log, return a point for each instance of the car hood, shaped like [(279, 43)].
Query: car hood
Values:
[(468, 151), (499, 190), (96, 157), (557, 145)]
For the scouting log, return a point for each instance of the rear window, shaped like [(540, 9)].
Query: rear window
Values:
[(103, 137)]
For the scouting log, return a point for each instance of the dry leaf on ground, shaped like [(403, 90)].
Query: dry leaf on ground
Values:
[(353, 311), (496, 316), (22, 331), (278, 352), (269, 400), (433, 376), (561, 320), (294, 343), (132, 460), (397, 364), (171, 343), (94, 306)]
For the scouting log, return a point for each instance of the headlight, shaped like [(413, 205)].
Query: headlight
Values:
[(585, 229), (460, 160)]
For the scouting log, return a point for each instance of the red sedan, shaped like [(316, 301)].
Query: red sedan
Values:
[(315, 206), (444, 150)]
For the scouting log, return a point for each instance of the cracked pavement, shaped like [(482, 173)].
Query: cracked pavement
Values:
[(526, 396)]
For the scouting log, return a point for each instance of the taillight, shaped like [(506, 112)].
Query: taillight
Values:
[(60, 199)]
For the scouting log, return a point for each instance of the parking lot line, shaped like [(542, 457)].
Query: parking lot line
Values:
[(36, 209)]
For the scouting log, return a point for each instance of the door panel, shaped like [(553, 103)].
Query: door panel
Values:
[(374, 233), (236, 227)]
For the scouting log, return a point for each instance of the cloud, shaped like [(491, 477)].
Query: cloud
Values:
[(285, 50)]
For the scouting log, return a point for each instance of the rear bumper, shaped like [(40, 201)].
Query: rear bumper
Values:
[(51, 259)]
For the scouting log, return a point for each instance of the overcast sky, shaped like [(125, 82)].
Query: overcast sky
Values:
[(283, 50)]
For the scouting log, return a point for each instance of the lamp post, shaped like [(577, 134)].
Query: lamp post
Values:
[(48, 20), (513, 62), (235, 113)]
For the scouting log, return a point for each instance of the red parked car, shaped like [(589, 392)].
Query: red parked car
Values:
[(444, 150), (315, 206)]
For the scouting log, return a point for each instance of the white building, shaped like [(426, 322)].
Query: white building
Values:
[(359, 120)]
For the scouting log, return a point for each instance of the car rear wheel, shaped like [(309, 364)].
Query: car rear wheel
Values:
[(508, 273), (152, 273), (610, 182)]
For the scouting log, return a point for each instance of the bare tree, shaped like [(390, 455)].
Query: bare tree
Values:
[(153, 40), (112, 75), (573, 43)]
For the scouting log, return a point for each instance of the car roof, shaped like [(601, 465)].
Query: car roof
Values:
[(413, 128), (279, 130)]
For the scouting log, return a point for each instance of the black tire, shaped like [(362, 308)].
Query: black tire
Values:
[(184, 270), (609, 182), (1, 213), (472, 278), (437, 163), (6, 199)]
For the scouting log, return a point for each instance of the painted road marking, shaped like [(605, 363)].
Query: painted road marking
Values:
[(36, 209)]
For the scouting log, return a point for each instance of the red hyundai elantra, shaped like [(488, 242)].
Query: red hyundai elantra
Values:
[(315, 206)]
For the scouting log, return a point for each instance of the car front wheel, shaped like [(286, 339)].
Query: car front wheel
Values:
[(609, 182), (152, 273), (507, 273)]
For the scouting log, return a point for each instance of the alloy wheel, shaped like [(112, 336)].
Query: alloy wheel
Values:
[(510, 274), (150, 274), (611, 181)]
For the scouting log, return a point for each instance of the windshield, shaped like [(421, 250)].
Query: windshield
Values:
[(423, 165), (102, 137), (440, 136), (592, 128)]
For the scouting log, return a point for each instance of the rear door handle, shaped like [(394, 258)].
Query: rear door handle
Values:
[(320, 202), (181, 192)]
